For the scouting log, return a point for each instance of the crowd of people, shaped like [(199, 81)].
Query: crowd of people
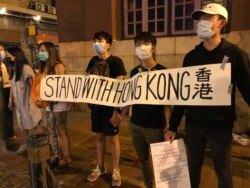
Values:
[(148, 123), (17, 93)]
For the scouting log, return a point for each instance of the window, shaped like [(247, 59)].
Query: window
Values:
[(145, 15), (205, 2), (53, 3), (158, 17), (182, 22)]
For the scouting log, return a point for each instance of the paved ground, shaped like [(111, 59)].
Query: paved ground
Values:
[(14, 171)]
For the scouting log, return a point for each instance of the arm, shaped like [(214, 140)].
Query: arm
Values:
[(11, 99), (116, 117), (177, 113), (30, 82), (60, 69), (126, 111), (167, 111), (174, 122)]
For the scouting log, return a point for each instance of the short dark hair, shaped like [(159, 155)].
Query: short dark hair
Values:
[(102, 34), (146, 37)]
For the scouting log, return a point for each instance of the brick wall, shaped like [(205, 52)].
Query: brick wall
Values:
[(78, 20), (70, 27), (240, 17)]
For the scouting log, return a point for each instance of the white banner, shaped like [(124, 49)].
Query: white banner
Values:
[(170, 164), (197, 85)]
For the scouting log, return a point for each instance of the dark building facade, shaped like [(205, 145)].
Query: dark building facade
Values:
[(78, 20)]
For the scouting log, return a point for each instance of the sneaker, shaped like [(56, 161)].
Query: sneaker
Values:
[(241, 139), (116, 178), (63, 165), (22, 148), (54, 162), (13, 138), (96, 173)]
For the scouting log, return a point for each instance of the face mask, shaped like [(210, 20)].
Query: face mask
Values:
[(2, 55), (204, 29), (143, 51), (43, 56), (98, 48)]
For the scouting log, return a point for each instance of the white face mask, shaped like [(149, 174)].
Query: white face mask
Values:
[(144, 51), (2, 55), (204, 29), (98, 47)]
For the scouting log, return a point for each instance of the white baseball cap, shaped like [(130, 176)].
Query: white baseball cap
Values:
[(212, 8)]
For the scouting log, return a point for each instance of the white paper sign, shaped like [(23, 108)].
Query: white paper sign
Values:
[(170, 164), (198, 85)]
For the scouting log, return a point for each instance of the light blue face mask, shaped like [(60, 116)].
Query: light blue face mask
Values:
[(43, 56), (98, 48)]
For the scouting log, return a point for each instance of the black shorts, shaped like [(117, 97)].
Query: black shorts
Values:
[(100, 121)]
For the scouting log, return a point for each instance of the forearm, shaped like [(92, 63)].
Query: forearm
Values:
[(176, 117), (11, 97), (167, 112), (125, 111)]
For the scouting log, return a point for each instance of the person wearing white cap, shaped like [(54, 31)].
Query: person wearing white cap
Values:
[(212, 124)]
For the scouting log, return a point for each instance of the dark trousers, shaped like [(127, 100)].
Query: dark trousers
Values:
[(220, 142), (7, 114), (142, 138)]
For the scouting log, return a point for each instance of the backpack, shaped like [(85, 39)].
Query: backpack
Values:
[(35, 91)]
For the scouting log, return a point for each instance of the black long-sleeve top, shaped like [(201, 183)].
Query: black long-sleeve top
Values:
[(219, 117)]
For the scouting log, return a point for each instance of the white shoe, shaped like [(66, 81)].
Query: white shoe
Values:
[(22, 148), (240, 139), (96, 173), (116, 178)]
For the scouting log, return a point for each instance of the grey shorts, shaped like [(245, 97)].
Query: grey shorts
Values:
[(59, 118)]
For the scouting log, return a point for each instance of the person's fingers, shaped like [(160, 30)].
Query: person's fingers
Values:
[(172, 138), (169, 136)]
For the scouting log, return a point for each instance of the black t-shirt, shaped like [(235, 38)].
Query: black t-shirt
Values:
[(148, 116), (115, 64), (116, 68)]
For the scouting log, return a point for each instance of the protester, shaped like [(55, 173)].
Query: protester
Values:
[(105, 120), (28, 115), (6, 71), (148, 122), (212, 124), (55, 115)]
